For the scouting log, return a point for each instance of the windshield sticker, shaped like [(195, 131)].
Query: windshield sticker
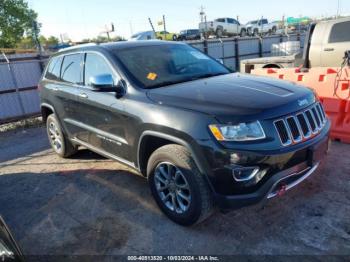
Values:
[(199, 55), (152, 76)]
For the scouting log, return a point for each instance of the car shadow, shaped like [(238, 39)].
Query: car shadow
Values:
[(104, 211)]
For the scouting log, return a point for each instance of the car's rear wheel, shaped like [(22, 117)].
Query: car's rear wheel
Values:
[(243, 33), (219, 32), (59, 143), (178, 187), (274, 30)]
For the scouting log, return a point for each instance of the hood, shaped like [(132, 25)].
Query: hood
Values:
[(235, 97)]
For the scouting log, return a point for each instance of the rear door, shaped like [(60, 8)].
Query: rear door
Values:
[(65, 88), (336, 44), (233, 27), (101, 113)]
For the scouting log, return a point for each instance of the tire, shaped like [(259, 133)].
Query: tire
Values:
[(58, 141), (243, 33), (256, 32), (174, 37), (274, 30), (219, 32), (186, 181)]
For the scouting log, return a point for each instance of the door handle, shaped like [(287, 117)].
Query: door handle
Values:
[(328, 49), (83, 95)]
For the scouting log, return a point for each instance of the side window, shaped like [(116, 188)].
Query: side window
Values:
[(95, 65), (71, 69), (264, 21), (340, 33), (54, 69), (230, 21), (221, 20)]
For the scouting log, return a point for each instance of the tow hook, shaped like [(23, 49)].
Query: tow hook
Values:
[(282, 190)]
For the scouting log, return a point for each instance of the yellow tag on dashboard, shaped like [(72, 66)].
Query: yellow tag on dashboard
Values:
[(152, 76)]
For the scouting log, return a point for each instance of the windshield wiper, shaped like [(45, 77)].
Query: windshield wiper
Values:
[(168, 83)]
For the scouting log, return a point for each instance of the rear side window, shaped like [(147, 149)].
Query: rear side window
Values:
[(340, 33), (71, 69), (54, 69), (96, 65)]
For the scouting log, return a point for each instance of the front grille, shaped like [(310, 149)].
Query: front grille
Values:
[(296, 128)]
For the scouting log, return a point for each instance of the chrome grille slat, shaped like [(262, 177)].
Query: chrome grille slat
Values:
[(301, 126)]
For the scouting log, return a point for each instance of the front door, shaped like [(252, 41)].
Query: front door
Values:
[(103, 123)]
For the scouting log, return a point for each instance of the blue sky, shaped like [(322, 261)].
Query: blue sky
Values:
[(80, 19)]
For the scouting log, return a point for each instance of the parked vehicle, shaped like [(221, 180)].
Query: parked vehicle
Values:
[(147, 35), (165, 35), (223, 27), (325, 45), (189, 34), (262, 26), (9, 250), (202, 135)]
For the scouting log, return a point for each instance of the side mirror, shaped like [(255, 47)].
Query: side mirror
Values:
[(105, 83), (221, 61), (102, 82)]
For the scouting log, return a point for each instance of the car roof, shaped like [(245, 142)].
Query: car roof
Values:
[(115, 46)]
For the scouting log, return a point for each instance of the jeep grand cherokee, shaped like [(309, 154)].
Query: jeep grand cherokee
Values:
[(202, 135)]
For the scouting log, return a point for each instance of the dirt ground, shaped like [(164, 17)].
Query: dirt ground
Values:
[(90, 205)]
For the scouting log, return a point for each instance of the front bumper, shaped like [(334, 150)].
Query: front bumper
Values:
[(286, 171)]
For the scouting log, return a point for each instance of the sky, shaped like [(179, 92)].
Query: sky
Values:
[(79, 19)]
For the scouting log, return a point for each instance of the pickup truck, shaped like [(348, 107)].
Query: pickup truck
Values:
[(262, 26), (223, 27), (325, 45)]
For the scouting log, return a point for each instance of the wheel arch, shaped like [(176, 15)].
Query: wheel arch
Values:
[(272, 65), (144, 152), (46, 110)]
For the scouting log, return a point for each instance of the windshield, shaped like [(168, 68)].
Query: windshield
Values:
[(136, 35), (159, 65)]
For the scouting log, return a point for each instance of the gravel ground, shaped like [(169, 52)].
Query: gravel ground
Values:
[(88, 205)]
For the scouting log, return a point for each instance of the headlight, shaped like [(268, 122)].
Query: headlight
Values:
[(240, 132)]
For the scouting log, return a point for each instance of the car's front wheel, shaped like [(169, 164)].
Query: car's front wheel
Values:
[(59, 143), (178, 187)]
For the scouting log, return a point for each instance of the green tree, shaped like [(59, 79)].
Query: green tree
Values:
[(16, 18), (26, 43), (52, 40)]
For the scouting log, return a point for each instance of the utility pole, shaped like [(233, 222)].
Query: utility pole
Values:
[(338, 9), (164, 27), (203, 18), (36, 36), (150, 22), (202, 13)]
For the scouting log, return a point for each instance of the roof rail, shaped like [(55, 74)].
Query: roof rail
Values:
[(77, 46)]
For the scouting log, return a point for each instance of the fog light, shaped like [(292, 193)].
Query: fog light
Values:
[(244, 173)]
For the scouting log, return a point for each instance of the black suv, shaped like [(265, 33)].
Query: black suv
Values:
[(189, 34), (202, 135)]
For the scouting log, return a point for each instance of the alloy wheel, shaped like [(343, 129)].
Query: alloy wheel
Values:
[(172, 187), (55, 137)]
